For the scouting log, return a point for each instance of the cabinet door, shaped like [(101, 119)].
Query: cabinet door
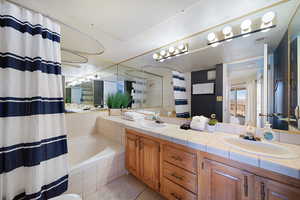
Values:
[(270, 190), (149, 162), (221, 182), (132, 153)]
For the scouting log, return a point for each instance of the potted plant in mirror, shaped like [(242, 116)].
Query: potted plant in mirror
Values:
[(211, 125), (115, 103)]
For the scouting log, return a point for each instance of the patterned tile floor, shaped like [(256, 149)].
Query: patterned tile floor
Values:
[(125, 188)]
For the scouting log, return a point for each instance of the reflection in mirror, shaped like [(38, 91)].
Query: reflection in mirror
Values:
[(294, 39), (249, 67), (238, 72), (245, 88)]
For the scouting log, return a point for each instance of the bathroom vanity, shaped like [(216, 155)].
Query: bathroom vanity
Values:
[(180, 172)]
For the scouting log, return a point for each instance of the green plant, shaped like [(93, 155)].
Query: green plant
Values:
[(118, 100), (212, 121)]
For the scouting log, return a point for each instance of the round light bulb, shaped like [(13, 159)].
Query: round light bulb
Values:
[(211, 37), (163, 52), (227, 30), (268, 17), (181, 46), (171, 49), (246, 25), (155, 56)]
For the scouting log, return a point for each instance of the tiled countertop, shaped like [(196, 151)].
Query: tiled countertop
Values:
[(212, 143)]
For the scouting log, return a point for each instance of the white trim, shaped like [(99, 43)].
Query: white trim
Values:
[(265, 85)]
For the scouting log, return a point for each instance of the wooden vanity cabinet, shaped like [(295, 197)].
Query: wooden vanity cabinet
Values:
[(266, 189), (182, 173), (143, 158), (132, 154), (222, 182), (149, 162)]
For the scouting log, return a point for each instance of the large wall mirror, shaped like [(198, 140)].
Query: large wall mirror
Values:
[(91, 92), (294, 72), (251, 78)]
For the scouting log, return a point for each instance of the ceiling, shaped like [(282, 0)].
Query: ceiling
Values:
[(127, 28)]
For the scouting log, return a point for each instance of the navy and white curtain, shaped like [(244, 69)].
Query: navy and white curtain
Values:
[(33, 145), (180, 95)]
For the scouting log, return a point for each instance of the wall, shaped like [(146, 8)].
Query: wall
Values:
[(78, 124), (207, 104)]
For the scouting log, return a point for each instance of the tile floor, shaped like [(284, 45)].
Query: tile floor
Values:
[(126, 187)]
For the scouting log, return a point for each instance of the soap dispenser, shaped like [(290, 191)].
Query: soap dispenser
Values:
[(268, 133)]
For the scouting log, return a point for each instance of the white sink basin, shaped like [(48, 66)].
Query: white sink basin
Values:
[(260, 148), (151, 124)]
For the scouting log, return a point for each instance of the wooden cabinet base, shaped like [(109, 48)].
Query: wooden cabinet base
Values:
[(182, 173), (172, 191)]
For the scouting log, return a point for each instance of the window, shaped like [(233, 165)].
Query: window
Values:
[(238, 101)]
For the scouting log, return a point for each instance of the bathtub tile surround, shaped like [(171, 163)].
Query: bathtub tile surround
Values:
[(33, 153), (96, 152)]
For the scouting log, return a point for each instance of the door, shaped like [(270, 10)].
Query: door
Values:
[(149, 162), (132, 153), (222, 182), (270, 190)]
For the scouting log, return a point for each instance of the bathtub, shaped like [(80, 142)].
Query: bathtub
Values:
[(94, 158)]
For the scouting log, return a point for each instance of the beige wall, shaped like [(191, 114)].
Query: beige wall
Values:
[(79, 124)]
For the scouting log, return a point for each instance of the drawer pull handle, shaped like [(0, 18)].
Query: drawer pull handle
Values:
[(176, 176), (177, 158), (262, 191), (175, 196), (246, 186)]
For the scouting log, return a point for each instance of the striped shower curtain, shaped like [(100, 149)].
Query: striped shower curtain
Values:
[(180, 95), (33, 146)]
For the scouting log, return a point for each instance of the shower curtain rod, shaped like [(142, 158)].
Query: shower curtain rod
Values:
[(64, 24)]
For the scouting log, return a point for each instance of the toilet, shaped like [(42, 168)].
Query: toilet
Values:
[(67, 197)]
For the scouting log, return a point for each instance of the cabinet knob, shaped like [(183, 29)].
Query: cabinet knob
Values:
[(176, 176), (176, 196), (177, 158)]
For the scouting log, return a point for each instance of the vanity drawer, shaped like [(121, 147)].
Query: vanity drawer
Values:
[(173, 191), (180, 176), (180, 158)]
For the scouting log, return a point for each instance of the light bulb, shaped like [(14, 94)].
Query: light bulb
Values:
[(155, 56), (211, 37), (246, 26), (171, 49), (267, 21), (181, 47), (227, 31), (268, 17), (163, 52)]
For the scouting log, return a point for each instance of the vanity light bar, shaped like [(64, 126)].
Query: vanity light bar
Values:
[(246, 29), (83, 80), (171, 52)]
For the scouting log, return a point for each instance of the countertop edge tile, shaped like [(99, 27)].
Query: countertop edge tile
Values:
[(213, 148)]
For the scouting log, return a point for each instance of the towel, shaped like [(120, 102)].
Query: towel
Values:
[(199, 123), (133, 116)]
